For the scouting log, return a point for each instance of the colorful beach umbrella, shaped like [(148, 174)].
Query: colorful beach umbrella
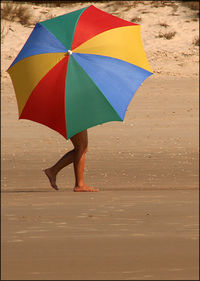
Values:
[(79, 70)]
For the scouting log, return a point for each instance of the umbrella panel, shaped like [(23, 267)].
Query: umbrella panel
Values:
[(86, 106), (58, 26), (41, 41), (46, 103), (123, 43), (94, 21), (27, 73), (116, 79)]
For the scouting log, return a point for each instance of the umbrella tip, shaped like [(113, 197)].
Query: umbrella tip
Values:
[(69, 52)]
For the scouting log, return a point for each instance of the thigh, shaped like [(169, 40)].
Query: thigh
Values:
[(80, 139)]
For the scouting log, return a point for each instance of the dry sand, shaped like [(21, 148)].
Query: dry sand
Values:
[(143, 224)]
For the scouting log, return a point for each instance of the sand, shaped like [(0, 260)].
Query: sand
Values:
[(143, 224), (133, 235)]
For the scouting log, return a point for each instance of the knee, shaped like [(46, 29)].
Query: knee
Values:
[(80, 142), (83, 148)]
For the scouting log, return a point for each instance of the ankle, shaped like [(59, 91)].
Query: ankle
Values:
[(80, 184), (52, 170)]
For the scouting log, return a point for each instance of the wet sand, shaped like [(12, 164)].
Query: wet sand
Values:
[(133, 235)]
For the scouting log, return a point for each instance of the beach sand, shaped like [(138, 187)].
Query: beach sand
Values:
[(132, 235), (143, 224)]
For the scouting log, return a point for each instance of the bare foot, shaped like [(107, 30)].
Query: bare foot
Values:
[(51, 177), (85, 188)]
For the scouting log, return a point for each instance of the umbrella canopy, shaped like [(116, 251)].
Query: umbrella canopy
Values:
[(79, 70)]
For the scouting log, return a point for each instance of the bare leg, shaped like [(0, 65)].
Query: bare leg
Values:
[(75, 156), (80, 142), (51, 172)]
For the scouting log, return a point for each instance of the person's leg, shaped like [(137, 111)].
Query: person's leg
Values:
[(75, 156), (80, 142), (51, 172)]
